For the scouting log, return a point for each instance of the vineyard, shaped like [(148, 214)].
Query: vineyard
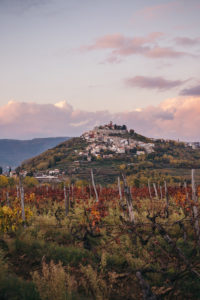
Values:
[(66, 241)]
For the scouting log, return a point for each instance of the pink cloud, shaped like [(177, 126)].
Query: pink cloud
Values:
[(173, 118), (107, 42), (112, 59), (158, 83), (122, 46), (27, 120), (186, 41), (166, 52), (192, 91), (113, 41), (154, 11)]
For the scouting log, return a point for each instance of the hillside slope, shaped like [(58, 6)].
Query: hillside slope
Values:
[(13, 152), (109, 154)]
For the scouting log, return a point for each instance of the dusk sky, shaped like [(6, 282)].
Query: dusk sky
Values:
[(67, 66)]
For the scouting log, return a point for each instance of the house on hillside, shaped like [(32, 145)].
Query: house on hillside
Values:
[(54, 172)]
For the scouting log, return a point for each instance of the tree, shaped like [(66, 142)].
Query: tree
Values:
[(30, 181), (3, 181), (1, 170), (80, 183), (11, 181), (122, 167), (30, 173)]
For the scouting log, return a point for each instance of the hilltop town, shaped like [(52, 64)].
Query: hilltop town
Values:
[(110, 139)]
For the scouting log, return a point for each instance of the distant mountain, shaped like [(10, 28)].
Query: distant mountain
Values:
[(109, 149), (13, 152)]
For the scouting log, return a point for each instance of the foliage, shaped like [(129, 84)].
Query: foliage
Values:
[(94, 283), (3, 181), (30, 181), (14, 288), (51, 283), (37, 248), (3, 265), (80, 183), (11, 219), (95, 252), (11, 181)]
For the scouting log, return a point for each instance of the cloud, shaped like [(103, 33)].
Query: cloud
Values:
[(122, 46), (158, 83), (165, 52), (173, 118), (107, 42), (186, 41), (114, 41), (22, 6), (112, 59), (155, 11), (26, 120), (23, 3), (193, 91), (176, 118)]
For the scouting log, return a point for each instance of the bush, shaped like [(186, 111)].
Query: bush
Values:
[(35, 250), (68, 255), (51, 283), (13, 288)]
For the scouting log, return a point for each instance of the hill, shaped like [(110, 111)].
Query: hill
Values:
[(13, 152), (110, 149)]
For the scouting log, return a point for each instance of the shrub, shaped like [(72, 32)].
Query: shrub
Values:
[(51, 284), (13, 288), (11, 219), (36, 249), (93, 283)]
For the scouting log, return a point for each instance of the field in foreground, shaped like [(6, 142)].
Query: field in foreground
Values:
[(101, 249)]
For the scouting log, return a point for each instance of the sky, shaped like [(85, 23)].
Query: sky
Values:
[(67, 66)]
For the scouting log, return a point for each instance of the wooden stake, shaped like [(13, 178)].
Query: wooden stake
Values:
[(149, 187), (146, 290), (17, 187), (66, 195), (155, 189), (90, 191), (128, 200), (120, 190), (22, 204), (167, 200), (72, 192), (195, 209), (94, 187), (186, 191), (65, 198), (161, 195)]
